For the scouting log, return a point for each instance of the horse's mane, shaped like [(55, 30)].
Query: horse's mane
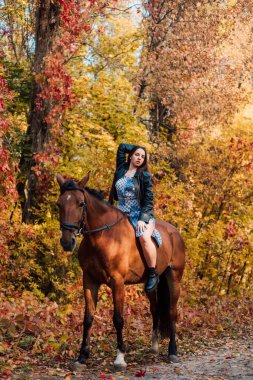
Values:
[(97, 194), (70, 184)]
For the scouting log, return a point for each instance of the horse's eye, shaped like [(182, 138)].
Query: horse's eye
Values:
[(81, 204)]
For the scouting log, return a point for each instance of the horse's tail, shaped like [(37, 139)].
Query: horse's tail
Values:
[(163, 295), (163, 298), (168, 288)]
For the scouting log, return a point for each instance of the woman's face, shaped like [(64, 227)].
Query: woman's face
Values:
[(138, 157)]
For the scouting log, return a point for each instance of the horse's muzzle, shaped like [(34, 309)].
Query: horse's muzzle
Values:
[(68, 246)]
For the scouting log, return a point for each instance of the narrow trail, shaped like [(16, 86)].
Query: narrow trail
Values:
[(231, 359)]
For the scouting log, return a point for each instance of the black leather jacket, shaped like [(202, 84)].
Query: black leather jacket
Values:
[(142, 182)]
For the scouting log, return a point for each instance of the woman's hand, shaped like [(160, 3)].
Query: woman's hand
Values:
[(141, 226)]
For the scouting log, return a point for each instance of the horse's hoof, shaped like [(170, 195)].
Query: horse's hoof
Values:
[(119, 366), (154, 350), (119, 363), (173, 359), (78, 367)]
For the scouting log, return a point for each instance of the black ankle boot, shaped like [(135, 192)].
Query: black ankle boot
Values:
[(152, 282)]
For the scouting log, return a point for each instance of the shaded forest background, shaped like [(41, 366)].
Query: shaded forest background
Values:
[(79, 77)]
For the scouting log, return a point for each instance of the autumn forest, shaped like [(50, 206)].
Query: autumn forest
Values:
[(78, 78)]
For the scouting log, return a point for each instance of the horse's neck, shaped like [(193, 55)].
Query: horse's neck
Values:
[(98, 212)]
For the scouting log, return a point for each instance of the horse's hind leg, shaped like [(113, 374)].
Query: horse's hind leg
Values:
[(117, 286), (154, 311), (91, 295), (174, 292)]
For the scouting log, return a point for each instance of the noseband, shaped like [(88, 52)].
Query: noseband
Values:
[(71, 186)]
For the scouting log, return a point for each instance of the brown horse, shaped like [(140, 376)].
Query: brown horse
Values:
[(110, 254)]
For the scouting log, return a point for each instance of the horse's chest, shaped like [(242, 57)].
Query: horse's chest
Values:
[(96, 267)]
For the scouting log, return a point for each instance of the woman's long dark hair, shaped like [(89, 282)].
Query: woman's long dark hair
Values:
[(144, 167)]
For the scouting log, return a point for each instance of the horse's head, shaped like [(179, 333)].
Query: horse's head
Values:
[(72, 209)]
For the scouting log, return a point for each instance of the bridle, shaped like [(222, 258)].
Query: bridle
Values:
[(74, 227), (80, 226)]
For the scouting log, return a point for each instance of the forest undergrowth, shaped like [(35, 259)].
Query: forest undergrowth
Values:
[(35, 332)]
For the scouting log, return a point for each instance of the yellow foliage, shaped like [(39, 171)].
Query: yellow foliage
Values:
[(104, 112)]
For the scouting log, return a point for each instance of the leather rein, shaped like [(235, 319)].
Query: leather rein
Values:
[(80, 226)]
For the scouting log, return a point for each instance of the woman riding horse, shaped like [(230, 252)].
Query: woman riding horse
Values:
[(132, 188), (110, 254)]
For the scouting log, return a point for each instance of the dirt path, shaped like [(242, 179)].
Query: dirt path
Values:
[(232, 359)]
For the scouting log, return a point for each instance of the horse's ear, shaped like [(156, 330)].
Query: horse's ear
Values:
[(60, 179), (83, 182)]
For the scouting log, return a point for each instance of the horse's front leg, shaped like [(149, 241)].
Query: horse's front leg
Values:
[(91, 295), (117, 286)]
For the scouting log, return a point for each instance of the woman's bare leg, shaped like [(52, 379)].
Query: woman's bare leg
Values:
[(149, 251), (148, 247)]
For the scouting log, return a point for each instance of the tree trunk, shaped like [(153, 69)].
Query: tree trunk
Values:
[(160, 116), (160, 120), (47, 24)]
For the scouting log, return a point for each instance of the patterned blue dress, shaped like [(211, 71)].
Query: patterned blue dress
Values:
[(128, 203)]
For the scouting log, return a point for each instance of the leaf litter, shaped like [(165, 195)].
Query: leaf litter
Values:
[(43, 338)]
